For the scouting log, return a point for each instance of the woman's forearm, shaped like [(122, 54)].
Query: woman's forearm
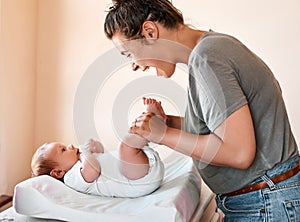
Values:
[(191, 144), (231, 144), (208, 148), (175, 121)]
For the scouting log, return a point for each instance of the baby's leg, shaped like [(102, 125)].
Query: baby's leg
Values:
[(134, 163), (134, 141), (155, 107)]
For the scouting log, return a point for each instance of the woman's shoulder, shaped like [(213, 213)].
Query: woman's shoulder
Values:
[(213, 43), (211, 40), (212, 36)]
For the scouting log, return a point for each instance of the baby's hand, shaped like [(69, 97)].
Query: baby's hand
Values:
[(93, 146), (97, 147)]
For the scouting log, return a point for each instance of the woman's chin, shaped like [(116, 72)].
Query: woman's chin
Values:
[(161, 73)]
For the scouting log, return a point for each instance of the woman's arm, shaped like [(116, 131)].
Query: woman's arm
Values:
[(175, 121), (232, 143)]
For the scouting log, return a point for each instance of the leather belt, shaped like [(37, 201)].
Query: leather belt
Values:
[(263, 184)]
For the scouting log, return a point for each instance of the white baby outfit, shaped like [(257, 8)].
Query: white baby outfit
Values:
[(112, 183)]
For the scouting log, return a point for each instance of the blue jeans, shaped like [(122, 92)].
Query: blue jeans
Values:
[(277, 203)]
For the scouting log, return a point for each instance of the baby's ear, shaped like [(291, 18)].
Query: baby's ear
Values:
[(58, 174)]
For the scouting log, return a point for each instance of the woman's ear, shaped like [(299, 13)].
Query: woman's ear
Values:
[(58, 174), (150, 30)]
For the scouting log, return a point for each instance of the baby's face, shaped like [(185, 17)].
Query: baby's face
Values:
[(65, 156)]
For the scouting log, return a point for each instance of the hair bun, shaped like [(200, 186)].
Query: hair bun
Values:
[(118, 2)]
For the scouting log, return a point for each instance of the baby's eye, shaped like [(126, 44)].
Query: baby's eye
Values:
[(129, 56)]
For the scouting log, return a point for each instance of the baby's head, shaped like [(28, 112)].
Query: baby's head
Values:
[(54, 159)]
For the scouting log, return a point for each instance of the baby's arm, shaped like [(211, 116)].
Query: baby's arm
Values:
[(90, 169)]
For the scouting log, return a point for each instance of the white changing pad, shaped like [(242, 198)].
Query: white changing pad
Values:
[(176, 200)]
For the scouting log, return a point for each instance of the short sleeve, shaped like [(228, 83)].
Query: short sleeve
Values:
[(217, 88)]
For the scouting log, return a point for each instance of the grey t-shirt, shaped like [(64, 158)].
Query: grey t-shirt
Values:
[(224, 75)]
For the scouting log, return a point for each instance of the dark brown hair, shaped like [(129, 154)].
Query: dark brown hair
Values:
[(128, 16), (40, 165)]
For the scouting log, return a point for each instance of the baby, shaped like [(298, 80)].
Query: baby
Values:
[(132, 171)]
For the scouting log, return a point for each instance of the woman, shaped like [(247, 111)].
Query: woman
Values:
[(235, 127)]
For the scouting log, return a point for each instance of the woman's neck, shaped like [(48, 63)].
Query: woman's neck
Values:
[(183, 40), (188, 36)]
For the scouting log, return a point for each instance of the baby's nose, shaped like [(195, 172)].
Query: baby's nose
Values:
[(70, 147)]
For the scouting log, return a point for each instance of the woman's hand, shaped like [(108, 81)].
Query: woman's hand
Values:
[(149, 126)]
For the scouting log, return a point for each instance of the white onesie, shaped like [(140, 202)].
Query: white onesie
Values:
[(112, 183)]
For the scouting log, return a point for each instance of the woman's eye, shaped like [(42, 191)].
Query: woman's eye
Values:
[(63, 149), (128, 55)]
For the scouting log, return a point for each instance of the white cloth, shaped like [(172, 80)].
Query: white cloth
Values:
[(112, 183), (174, 201)]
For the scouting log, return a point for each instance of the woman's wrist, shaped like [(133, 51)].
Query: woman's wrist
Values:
[(174, 121), (168, 120)]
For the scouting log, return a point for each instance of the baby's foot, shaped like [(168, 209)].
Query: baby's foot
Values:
[(155, 107)]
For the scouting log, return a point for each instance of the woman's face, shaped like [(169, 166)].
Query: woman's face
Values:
[(147, 53)]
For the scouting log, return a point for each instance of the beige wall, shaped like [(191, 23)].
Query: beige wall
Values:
[(47, 45), (70, 37), (17, 106)]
